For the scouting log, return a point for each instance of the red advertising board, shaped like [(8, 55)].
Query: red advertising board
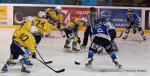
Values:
[(76, 12)]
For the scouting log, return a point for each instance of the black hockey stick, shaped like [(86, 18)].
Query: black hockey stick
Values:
[(120, 35), (48, 62), (57, 71), (78, 63)]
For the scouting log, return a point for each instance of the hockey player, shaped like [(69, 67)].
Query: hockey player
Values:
[(134, 22), (55, 17), (71, 31), (92, 19), (41, 23), (23, 44), (101, 37)]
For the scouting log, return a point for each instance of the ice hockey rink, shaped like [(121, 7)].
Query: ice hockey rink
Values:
[(134, 55)]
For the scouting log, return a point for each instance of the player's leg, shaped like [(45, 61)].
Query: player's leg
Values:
[(25, 59), (25, 63), (74, 44), (112, 33), (134, 29), (141, 32), (70, 35), (127, 32), (66, 46), (92, 49), (30, 64), (38, 38), (107, 45), (114, 46), (13, 56)]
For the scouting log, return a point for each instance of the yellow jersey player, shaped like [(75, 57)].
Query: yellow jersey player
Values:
[(41, 23), (71, 31), (55, 17), (23, 44)]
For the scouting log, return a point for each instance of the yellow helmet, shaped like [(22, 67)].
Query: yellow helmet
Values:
[(76, 20)]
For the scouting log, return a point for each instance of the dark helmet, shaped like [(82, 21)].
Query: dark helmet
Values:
[(93, 10)]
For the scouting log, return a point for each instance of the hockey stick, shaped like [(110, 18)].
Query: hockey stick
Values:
[(57, 71), (120, 35), (48, 62), (81, 62)]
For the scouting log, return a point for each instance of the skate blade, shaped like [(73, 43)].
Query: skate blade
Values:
[(119, 67)]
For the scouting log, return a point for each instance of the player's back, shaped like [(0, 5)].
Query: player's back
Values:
[(55, 16), (101, 29), (72, 26), (25, 39), (42, 25)]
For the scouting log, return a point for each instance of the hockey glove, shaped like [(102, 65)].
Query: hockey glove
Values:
[(33, 55)]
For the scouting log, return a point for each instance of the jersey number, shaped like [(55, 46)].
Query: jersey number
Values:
[(40, 23), (100, 30), (24, 37)]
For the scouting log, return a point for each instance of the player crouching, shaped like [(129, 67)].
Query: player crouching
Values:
[(101, 37), (71, 32), (23, 44)]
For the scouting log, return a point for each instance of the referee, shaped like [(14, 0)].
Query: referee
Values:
[(92, 18)]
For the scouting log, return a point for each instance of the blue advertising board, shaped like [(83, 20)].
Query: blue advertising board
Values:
[(117, 16)]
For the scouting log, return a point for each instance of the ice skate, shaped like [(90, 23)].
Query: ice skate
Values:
[(89, 63), (75, 49), (4, 69), (23, 69), (66, 47), (144, 38), (117, 65)]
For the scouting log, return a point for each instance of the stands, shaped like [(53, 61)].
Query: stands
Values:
[(133, 3)]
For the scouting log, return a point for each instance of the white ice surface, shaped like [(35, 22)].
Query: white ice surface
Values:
[(133, 54)]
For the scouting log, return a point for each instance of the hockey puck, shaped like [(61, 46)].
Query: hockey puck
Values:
[(77, 63)]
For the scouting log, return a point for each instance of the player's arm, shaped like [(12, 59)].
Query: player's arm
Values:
[(53, 16), (129, 22), (47, 28), (137, 19)]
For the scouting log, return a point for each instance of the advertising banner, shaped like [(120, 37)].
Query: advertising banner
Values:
[(3, 15), (20, 12), (76, 12), (147, 19), (117, 16)]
